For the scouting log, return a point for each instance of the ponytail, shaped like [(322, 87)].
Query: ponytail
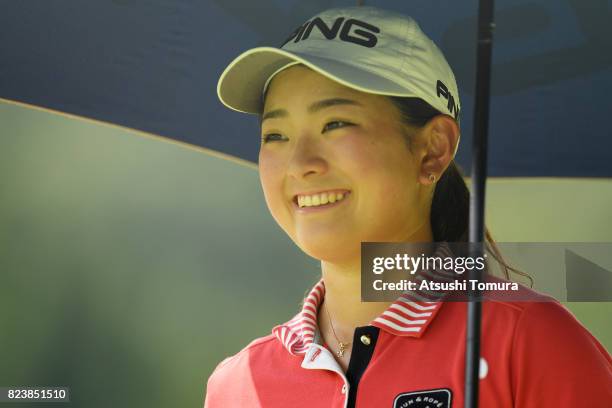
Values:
[(450, 207)]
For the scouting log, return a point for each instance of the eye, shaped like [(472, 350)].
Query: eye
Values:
[(336, 124), (271, 137)]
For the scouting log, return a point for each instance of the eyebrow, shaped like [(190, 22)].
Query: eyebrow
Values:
[(313, 108)]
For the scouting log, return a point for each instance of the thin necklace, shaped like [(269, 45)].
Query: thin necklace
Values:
[(341, 345)]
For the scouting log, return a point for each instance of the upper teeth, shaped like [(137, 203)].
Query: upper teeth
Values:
[(314, 200)]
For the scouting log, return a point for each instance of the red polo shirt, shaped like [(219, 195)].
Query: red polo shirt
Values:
[(534, 355)]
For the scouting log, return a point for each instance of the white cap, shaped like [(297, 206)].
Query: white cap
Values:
[(364, 48)]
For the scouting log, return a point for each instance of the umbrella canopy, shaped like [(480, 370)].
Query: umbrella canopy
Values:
[(153, 66)]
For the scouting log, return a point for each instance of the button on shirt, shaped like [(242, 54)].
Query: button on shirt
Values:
[(533, 355)]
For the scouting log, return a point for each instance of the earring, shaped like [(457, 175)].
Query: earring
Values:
[(432, 178)]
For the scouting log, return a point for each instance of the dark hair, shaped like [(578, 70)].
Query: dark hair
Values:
[(450, 206), (451, 200)]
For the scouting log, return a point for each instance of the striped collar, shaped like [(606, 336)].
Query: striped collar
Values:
[(408, 315)]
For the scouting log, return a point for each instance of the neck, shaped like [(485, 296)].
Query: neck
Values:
[(343, 294)]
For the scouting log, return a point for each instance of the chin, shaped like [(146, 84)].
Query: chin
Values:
[(334, 252)]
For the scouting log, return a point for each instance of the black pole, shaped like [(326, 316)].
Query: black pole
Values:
[(477, 198)]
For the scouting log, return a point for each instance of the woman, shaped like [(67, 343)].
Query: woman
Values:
[(359, 120)]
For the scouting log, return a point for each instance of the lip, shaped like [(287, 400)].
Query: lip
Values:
[(306, 210)]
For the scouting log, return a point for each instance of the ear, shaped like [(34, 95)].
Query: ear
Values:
[(441, 136)]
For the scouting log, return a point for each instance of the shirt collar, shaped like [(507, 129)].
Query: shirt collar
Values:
[(409, 315)]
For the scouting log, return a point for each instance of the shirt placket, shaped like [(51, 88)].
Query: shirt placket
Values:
[(320, 358)]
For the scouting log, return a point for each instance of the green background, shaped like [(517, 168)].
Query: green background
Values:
[(130, 266)]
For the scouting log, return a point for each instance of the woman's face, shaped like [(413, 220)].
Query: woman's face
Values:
[(322, 140)]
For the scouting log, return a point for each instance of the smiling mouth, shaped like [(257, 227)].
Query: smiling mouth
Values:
[(324, 199)]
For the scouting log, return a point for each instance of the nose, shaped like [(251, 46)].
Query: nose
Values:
[(307, 159)]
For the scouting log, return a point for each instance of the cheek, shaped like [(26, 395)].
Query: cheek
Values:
[(381, 166), (356, 154)]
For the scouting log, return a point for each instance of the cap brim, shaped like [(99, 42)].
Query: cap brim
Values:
[(241, 85)]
